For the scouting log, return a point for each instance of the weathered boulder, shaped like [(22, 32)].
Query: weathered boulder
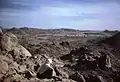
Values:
[(3, 67), (8, 41), (21, 52)]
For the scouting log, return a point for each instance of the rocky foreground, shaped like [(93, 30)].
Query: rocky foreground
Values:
[(94, 62)]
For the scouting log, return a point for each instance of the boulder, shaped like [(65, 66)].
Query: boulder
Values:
[(8, 41), (22, 69), (46, 70), (3, 67), (30, 74), (21, 52), (108, 63)]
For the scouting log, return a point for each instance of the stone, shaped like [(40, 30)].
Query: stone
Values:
[(21, 52), (30, 74), (8, 41), (61, 73), (104, 61), (77, 77), (100, 78), (22, 69), (46, 70), (3, 67), (67, 80), (108, 63)]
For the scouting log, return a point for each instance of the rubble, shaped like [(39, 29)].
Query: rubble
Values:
[(58, 62)]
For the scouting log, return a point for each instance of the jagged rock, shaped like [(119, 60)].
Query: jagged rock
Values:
[(108, 63), (46, 70), (65, 43), (100, 78), (104, 61), (30, 74), (61, 73), (58, 63), (77, 77), (8, 41), (90, 62)]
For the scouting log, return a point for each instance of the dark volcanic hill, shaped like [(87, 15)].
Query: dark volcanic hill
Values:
[(113, 41)]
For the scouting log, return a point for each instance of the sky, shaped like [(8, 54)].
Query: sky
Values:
[(74, 14)]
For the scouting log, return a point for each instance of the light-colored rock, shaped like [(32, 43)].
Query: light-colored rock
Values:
[(20, 50), (22, 68), (67, 80), (108, 63), (8, 41), (100, 78), (3, 67)]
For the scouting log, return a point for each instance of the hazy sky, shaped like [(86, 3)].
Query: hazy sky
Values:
[(77, 14)]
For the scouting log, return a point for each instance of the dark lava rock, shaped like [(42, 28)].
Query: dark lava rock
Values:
[(77, 77)]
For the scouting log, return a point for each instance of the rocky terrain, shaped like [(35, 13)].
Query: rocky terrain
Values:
[(58, 55)]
